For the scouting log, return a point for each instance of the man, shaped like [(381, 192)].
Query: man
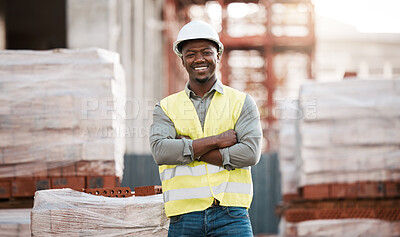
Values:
[(204, 139)]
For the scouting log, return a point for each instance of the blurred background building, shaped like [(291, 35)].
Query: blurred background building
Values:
[(272, 48)]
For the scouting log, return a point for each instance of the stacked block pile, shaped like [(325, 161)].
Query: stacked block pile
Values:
[(66, 212), (15, 222), (349, 159), (61, 122)]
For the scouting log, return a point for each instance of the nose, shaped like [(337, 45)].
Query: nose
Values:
[(199, 57)]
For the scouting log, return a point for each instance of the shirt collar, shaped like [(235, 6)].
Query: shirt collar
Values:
[(218, 86)]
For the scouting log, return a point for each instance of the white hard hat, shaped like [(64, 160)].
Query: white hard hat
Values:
[(197, 30)]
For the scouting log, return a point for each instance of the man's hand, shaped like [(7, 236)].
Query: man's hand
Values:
[(226, 139)]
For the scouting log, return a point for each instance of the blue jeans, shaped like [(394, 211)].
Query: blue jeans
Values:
[(214, 221)]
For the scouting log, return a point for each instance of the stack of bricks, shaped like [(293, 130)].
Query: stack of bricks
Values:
[(66, 212), (349, 159), (120, 192), (61, 120)]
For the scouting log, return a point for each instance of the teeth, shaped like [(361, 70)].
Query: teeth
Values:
[(200, 68)]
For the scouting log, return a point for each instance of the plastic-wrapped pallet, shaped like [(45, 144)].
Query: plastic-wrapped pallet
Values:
[(350, 131), (343, 227), (65, 212), (289, 159), (15, 222), (61, 107)]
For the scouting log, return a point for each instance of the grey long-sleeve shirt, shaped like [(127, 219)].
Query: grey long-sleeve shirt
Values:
[(167, 150)]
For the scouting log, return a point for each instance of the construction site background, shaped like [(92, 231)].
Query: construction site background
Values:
[(273, 47)]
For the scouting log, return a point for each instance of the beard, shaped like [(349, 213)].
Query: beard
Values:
[(202, 81)]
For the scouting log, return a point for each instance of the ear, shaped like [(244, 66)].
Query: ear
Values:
[(183, 62), (218, 57)]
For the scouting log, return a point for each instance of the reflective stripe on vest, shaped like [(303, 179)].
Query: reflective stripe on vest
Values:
[(192, 187), (190, 193), (193, 171)]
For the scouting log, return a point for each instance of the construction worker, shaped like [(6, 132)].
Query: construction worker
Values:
[(204, 139)]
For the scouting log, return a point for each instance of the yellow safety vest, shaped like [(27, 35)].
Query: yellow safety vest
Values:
[(193, 187)]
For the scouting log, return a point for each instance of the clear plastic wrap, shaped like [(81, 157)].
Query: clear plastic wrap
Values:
[(289, 159), (15, 222), (350, 99), (340, 228), (65, 212), (350, 132), (60, 107)]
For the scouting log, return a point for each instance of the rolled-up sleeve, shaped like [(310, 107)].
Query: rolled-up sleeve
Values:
[(247, 151), (167, 150)]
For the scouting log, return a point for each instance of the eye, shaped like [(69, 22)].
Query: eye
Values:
[(190, 55), (208, 53)]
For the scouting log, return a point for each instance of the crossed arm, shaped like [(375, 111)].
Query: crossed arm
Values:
[(232, 149), (207, 148)]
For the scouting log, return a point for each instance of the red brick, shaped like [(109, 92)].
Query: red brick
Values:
[(328, 213), (111, 181), (77, 182), (299, 214), (318, 191), (392, 189), (23, 187), (7, 179), (305, 214), (351, 190), (389, 214), (370, 189), (110, 192), (148, 190), (123, 192), (338, 190), (5, 189), (344, 190)]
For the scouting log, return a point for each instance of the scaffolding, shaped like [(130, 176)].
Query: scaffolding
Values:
[(269, 44)]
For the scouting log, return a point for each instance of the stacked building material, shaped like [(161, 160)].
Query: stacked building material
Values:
[(289, 158), (349, 152), (66, 212), (62, 120), (15, 222), (353, 137), (343, 227), (120, 192)]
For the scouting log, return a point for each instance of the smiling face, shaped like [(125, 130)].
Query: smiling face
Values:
[(200, 60)]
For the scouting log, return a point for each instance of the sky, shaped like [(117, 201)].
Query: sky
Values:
[(367, 16)]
